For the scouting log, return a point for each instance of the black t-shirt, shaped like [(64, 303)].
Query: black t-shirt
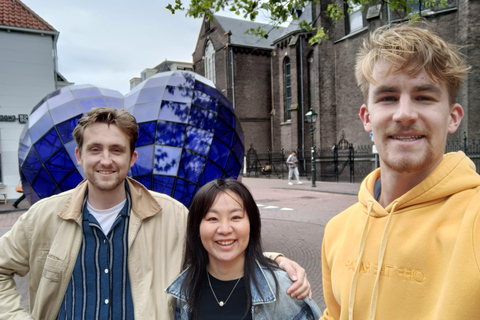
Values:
[(235, 307)]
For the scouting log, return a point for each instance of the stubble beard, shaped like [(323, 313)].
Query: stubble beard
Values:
[(410, 164), (106, 186)]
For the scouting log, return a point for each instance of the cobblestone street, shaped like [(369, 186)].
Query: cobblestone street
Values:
[(297, 230)]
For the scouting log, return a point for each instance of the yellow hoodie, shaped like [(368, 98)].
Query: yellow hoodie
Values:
[(426, 245)]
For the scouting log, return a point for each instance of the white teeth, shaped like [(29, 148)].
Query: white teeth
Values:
[(409, 138), (105, 172), (225, 243)]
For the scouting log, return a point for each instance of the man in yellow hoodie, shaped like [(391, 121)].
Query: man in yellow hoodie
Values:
[(410, 248)]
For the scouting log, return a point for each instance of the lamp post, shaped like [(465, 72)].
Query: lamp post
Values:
[(312, 118)]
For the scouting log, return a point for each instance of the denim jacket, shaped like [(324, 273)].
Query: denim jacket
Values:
[(269, 307)]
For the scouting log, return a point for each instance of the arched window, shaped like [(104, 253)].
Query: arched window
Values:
[(288, 88), (210, 62)]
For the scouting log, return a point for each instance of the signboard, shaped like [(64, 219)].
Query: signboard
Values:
[(22, 118)]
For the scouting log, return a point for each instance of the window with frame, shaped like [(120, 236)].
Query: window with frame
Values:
[(418, 6), (288, 89), (415, 7), (210, 62), (355, 17)]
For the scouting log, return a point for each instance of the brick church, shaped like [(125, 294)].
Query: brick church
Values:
[(273, 82)]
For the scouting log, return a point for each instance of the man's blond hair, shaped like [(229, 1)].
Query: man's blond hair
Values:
[(410, 48)]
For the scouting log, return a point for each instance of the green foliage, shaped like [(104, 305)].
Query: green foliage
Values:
[(335, 11), (281, 11)]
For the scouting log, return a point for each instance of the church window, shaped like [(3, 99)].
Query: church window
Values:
[(288, 89), (210, 62)]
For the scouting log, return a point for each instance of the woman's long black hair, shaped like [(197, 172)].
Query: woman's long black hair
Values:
[(196, 257)]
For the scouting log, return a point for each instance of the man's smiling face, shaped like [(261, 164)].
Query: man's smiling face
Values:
[(105, 157), (410, 116)]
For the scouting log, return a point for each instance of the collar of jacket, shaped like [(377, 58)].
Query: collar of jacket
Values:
[(264, 294), (143, 204)]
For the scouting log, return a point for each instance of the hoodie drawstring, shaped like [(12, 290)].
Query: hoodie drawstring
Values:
[(383, 246), (353, 286), (381, 254)]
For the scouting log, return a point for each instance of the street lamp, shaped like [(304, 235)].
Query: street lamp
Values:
[(312, 118)]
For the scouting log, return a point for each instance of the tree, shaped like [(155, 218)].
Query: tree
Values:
[(280, 11)]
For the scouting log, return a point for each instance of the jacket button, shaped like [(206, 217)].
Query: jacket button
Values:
[(257, 309)]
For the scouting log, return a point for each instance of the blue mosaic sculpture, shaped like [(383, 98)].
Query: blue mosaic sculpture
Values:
[(188, 135)]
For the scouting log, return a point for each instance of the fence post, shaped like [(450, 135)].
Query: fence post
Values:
[(314, 164), (335, 161), (351, 155), (255, 155), (249, 155)]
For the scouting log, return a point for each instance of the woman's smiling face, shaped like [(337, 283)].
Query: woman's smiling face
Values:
[(225, 230)]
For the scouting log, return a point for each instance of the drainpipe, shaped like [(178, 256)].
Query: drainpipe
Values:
[(272, 110), (55, 60), (388, 16), (233, 78), (301, 103)]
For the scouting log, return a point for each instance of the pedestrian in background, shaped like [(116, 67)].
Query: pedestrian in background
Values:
[(19, 189), (292, 163)]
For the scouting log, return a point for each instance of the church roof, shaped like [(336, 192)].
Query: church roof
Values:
[(15, 13), (294, 26), (238, 27)]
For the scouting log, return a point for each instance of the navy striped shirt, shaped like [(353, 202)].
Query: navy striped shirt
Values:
[(100, 285)]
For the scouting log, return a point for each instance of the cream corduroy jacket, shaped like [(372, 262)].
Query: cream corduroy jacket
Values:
[(45, 243)]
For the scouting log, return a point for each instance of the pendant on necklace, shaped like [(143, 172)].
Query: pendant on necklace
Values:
[(221, 303)]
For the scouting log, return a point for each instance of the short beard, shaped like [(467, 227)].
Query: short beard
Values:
[(410, 165), (106, 187)]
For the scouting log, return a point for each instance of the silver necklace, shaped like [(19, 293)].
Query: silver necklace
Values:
[(221, 303)]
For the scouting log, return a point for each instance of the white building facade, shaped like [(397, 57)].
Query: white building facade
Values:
[(28, 72)]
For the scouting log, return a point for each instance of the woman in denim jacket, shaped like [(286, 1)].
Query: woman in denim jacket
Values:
[(225, 275)]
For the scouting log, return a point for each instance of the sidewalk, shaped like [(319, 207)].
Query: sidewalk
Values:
[(321, 186), (8, 214)]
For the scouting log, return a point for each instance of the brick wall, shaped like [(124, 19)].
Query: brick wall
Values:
[(251, 90), (253, 95), (329, 84)]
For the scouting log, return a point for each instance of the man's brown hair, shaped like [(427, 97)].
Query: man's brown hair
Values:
[(121, 118), (410, 48)]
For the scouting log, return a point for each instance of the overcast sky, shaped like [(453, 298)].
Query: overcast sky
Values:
[(108, 42)]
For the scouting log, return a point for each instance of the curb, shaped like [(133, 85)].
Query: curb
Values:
[(348, 193), (13, 210)]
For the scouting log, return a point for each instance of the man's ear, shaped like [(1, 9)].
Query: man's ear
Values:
[(456, 116), (133, 158), (365, 117), (78, 156)]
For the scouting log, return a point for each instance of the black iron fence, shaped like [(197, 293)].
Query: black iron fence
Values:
[(343, 162), (470, 147)]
